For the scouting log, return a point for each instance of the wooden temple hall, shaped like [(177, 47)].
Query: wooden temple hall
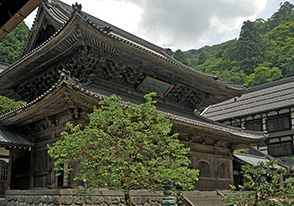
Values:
[(70, 62)]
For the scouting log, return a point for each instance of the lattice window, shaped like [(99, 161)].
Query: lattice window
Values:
[(278, 122), (3, 170), (254, 125), (281, 149)]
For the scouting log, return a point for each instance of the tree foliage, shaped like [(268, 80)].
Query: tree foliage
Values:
[(180, 56), (125, 147), (249, 48), (7, 105), (11, 46), (273, 191), (264, 73)]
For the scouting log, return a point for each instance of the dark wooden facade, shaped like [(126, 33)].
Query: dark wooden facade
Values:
[(43, 121), (73, 60)]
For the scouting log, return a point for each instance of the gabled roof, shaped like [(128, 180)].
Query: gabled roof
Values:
[(271, 96), (177, 116)]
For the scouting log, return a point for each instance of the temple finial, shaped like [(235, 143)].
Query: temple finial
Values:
[(77, 7)]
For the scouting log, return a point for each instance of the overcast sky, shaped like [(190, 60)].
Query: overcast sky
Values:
[(179, 24)]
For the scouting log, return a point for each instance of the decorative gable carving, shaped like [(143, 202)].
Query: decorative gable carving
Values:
[(89, 66)]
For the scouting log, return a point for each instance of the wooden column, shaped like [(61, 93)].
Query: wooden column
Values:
[(31, 177), (9, 169)]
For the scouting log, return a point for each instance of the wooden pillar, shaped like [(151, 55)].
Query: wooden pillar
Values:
[(231, 168), (9, 169), (216, 166), (31, 177), (65, 177)]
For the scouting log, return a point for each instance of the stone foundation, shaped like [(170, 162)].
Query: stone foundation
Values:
[(56, 197)]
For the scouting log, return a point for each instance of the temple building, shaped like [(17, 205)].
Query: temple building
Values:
[(73, 60)]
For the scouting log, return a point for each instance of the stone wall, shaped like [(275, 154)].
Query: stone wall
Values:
[(56, 197)]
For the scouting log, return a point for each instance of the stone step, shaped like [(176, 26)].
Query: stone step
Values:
[(2, 201), (204, 198)]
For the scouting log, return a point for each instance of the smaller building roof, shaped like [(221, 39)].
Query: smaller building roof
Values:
[(249, 158), (11, 138), (254, 157), (262, 98)]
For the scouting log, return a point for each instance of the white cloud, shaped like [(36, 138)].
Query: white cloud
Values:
[(183, 24)]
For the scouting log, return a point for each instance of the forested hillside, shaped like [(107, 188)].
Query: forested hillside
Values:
[(7, 104), (264, 52), (12, 44), (10, 48)]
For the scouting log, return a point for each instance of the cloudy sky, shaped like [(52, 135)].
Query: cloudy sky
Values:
[(179, 24)]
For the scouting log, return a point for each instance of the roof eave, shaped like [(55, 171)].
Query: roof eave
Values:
[(219, 91), (241, 136)]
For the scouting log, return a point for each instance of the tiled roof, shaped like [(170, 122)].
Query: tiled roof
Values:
[(9, 137), (257, 157), (62, 13), (262, 98), (249, 158), (171, 113)]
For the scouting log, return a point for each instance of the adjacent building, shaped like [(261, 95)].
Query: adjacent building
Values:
[(268, 108)]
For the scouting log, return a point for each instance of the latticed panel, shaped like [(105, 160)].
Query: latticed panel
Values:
[(3, 170), (3, 177)]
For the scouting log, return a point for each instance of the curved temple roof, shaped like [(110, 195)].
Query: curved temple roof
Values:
[(56, 48), (176, 116), (63, 12)]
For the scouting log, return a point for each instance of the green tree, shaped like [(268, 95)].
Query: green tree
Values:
[(6, 104), (285, 13), (264, 73), (282, 33), (249, 48), (125, 147), (11, 46), (232, 76), (260, 25), (180, 56), (272, 191), (203, 56)]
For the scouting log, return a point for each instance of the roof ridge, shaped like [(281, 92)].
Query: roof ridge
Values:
[(131, 39), (103, 23), (270, 84)]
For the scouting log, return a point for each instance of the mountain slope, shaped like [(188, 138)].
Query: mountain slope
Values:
[(264, 52)]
